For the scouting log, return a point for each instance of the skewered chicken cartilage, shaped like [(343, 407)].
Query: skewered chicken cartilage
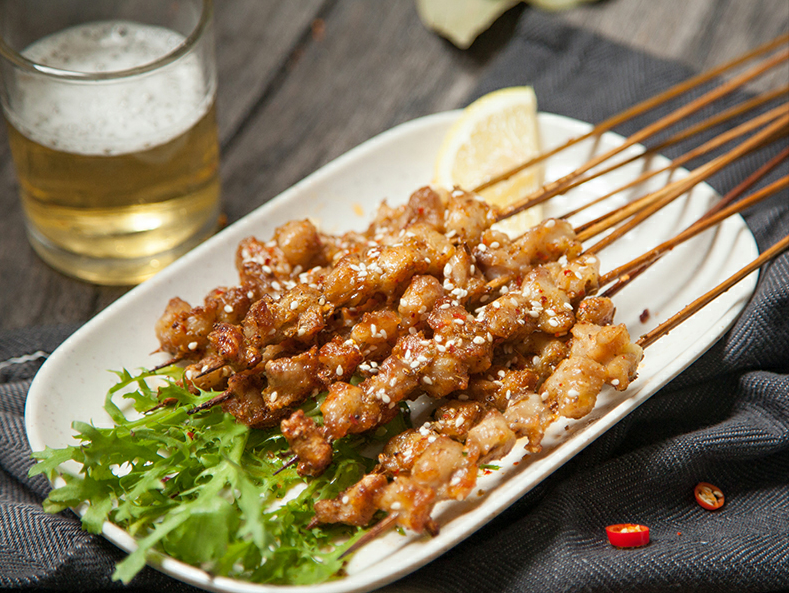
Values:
[(418, 270), (380, 262), (425, 465), (462, 345)]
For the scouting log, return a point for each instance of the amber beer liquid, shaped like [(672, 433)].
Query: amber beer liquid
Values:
[(117, 180)]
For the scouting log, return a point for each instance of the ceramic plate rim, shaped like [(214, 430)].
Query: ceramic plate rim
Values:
[(368, 578)]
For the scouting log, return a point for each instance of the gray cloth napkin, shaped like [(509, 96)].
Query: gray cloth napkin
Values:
[(725, 420)]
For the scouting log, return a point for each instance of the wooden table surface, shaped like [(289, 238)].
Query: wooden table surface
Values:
[(303, 82)]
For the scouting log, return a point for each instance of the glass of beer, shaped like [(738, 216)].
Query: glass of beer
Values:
[(110, 109)]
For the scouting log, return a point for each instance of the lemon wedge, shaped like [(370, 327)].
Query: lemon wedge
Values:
[(494, 134)]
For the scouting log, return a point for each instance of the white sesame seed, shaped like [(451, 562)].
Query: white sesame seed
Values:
[(445, 306), (459, 422), (274, 396), (345, 499), (339, 370), (228, 309), (294, 305), (460, 321), (192, 346), (550, 223), (614, 382), (427, 380), (495, 245), (386, 399), (189, 374), (395, 506), (250, 295), (573, 392), (482, 247), (478, 340)]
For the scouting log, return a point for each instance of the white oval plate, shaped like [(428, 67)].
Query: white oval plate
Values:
[(344, 194)]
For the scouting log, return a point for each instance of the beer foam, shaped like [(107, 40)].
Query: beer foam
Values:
[(110, 117)]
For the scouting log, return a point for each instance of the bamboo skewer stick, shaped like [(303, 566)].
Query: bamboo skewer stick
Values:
[(611, 218), (665, 327), (636, 270), (701, 225), (676, 189), (560, 185), (708, 146), (748, 182), (642, 107), (376, 530), (722, 117)]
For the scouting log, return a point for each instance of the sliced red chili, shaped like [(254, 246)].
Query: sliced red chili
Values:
[(708, 496), (628, 535)]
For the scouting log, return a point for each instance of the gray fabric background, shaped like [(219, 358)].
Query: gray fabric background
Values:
[(724, 420)]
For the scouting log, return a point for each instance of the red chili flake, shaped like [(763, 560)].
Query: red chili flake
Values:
[(190, 434), (644, 317)]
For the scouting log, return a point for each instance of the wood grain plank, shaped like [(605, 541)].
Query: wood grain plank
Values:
[(292, 99), (254, 39), (344, 89), (700, 34)]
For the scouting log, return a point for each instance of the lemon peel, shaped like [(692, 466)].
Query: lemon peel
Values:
[(494, 134)]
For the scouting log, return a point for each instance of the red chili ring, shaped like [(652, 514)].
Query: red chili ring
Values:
[(628, 535), (708, 496)]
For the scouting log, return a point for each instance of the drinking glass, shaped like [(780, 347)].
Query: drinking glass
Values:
[(110, 109)]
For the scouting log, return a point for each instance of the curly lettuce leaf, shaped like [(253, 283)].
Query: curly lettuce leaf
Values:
[(202, 488)]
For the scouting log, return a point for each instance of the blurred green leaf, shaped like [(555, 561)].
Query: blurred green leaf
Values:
[(461, 21)]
